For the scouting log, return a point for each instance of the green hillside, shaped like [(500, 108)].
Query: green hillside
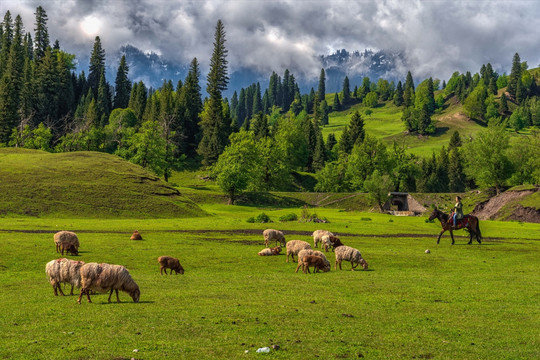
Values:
[(84, 184)]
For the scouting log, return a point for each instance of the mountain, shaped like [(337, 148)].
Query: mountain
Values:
[(153, 69)]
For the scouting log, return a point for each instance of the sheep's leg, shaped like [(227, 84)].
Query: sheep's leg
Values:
[(88, 295), (287, 256), (71, 293), (292, 255), (353, 266), (161, 270), (298, 267), (80, 296), (60, 289), (110, 294), (340, 265), (117, 297)]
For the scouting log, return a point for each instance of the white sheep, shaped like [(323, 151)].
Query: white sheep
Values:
[(348, 253), (317, 236), (66, 241), (104, 277), (306, 252), (295, 246), (64, 271), (272, 234)]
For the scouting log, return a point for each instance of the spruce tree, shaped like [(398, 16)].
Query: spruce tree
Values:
[(191, 104), (97, 66), (122, 85), (345, 143), (455, 141), (259, 126), (241, 110), (102, 102), (257, 101), (330, 143), (137, 100), (515, 76), (215, 131), (322, 85), (319, 152), (355, 92), (356, 129), (5, 41), (504, 104), (398, 96), (41, 37), (456, 175), (346, 92), (337, 105)]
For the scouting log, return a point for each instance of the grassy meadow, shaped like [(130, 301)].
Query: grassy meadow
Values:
[(467, 302)]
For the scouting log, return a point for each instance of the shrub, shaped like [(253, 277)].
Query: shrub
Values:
[(289, 217), (261, 218)]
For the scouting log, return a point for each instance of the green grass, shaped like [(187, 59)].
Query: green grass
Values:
[(467, 302), (84, 184)]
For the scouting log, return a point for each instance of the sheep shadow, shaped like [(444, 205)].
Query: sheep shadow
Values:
[(125, 302)]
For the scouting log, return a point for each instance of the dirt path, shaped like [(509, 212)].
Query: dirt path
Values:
[(489, 210)]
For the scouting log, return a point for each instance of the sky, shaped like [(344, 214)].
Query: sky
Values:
[(435, 37)]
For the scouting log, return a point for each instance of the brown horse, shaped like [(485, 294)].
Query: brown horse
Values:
[(469, 222)]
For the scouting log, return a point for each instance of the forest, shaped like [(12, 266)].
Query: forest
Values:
[(267, 139)]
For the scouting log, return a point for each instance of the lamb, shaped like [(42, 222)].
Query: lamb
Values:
[(317, 236), (306, 252), (104, 277), (168, 262), (136, 235), (270, 251), (348, 253), (64, 271), (66, 241), (331, 241), (316, 261), (271, 234), (295, 246)]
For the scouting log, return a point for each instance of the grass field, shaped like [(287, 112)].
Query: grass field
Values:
[(466, 302)]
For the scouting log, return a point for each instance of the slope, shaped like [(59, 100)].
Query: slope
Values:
[(84, 184)]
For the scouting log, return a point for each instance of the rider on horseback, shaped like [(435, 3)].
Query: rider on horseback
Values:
[(458, 210)]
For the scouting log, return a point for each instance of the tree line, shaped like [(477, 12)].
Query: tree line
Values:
[(259, 140)]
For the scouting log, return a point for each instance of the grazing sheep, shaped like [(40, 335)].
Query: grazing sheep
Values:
[(104, 277), (316, 261), (270, 251), (348, 253), (331, 241), (66, 241), (64, 271), (168, 262), (295, 246), (317, 236), (136, 236), (306, 252), (271, 234)]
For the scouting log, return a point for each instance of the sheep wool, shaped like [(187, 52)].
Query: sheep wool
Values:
[(64, 271), (168, 262), (295, 246), (318, 236), (348, 253), (270, 251), (104, 277)]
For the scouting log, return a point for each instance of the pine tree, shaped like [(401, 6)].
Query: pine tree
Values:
[(97, 66), (345, 143), (330, 143), (456, 175), (241, 110), (41, 37), (424, 122), (234, 107), (122, 85), (346, 92), (337, 105), (215, 132), (259, 126), (355, 92), (46, 89), (5, 41), (515, 75), (324, 110), (137, 100), (319, 152), (322, 85), (409, 83)]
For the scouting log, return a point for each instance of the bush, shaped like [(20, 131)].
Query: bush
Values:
[(289, 217), (261, 218)]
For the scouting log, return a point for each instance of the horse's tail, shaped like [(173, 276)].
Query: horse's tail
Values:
[(477, 230)]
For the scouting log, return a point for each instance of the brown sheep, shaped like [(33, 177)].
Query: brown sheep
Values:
[(168, 262), (270, 251), (104, 277), (136, 235), (306, 252), (317, 262), (335, 242), (66, 241)]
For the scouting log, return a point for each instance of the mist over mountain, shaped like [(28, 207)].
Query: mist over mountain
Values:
[(153, 69)]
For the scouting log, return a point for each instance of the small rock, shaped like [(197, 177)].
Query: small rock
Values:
[(427, 251), (312, 302), (347, 315), (245, 352), (265, 349), (136, 350)]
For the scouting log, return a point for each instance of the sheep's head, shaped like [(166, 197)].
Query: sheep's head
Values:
[(73, 250), (276, 250), (364, 264), (135, 294), (181, 270), (326, 268)]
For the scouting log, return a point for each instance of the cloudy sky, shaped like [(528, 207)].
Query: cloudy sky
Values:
[(436, 37)]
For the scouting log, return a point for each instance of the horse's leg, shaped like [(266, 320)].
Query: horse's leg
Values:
[(471, 232), (452, 236), (440, 234)]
